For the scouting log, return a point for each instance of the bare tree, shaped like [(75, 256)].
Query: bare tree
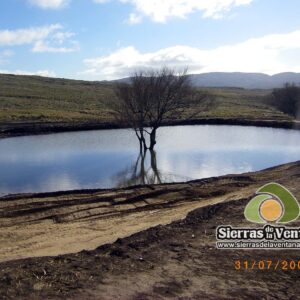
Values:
[(168, 92), (151, 98)]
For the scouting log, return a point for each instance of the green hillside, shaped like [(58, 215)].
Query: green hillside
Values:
[(33, 98), (41, 99)]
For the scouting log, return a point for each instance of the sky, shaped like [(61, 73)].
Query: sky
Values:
[(110, 39)]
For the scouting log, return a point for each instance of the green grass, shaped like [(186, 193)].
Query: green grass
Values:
[(238, 104), (38, 99), (30, 98)]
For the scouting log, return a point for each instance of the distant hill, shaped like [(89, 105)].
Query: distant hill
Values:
[(241, 80), (244, 80)]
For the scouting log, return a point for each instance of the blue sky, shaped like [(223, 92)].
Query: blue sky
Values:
[(107, 39)]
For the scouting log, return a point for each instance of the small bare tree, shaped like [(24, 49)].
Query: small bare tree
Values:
[(167, 95), (151, 98)]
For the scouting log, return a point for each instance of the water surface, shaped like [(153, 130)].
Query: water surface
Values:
[(110, 158)]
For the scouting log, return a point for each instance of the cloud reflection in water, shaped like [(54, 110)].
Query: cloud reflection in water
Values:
[(107, 158)]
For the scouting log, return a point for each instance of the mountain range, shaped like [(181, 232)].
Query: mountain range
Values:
[(244, 80), (213, 79), (241, 80)]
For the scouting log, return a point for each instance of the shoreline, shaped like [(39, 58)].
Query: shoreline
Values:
[(39, 128), (158, 242)]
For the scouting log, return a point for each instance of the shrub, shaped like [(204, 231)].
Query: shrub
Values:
[(286, 99)]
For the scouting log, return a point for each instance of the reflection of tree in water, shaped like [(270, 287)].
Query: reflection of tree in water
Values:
[(141, 172), (145, 171)]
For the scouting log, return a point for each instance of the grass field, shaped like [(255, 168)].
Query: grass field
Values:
[(39, 99)]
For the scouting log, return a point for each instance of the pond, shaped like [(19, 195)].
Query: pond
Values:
[(110, 158)]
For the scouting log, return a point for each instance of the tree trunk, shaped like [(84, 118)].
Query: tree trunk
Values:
[(141, 145), (143, 173), (157, 178), (140, 135), (152, 139), (143, 140)]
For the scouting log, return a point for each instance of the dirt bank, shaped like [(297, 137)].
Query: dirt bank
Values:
[(21, 128), (178, 260)]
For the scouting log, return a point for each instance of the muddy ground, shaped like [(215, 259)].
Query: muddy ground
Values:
[(34, 128), (174, 261)]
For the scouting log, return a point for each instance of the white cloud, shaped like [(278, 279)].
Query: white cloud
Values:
[(62, 36), (49, 4), (27, 35), (134, 18), (161, 10), (43, 47), (44, 73), (49, 38), (266, 54)]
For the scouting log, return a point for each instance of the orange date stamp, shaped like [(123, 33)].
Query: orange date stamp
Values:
[(267, 265)]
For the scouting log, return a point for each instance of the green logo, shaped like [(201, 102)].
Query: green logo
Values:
[(272, 203)]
